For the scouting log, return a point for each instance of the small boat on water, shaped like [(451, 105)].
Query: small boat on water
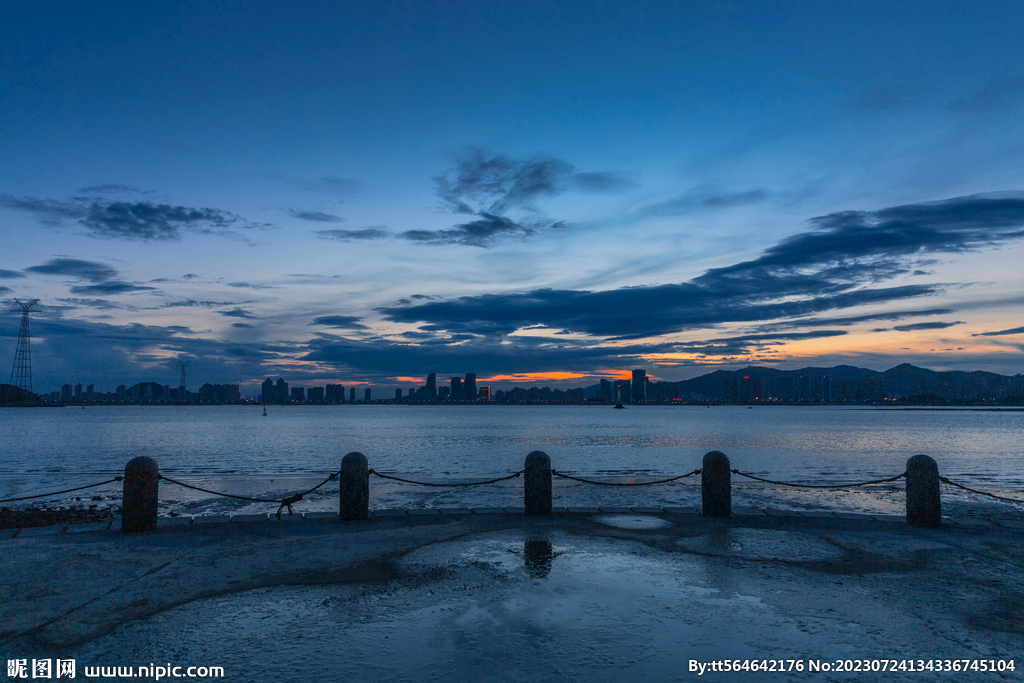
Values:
[(619, 406)]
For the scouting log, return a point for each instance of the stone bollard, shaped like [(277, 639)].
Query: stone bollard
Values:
[(354, 488), (924, 508), (141, 492), (537, 484), (716, 485)]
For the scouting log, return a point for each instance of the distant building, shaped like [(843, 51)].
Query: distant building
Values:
[(281, 391), (398, 394), (750, 390), (431, 386), (639, 386), (444, 392), (219, 393), (65, 393), (456, 388), (621, 391), (412, 392), (606, 390), (485, 393), (267, 390), (315, 395), (335, 393), (78, 392), (469, 387), (352, 395), (121, 392), (90, 390), (366, 394), (298, 395)]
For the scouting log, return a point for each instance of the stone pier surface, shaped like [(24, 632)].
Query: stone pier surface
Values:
[(841, 586)]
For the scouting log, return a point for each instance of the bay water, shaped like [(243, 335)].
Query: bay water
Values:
[(238, 450)]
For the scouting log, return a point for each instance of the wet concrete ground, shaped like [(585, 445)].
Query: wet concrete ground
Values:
[(603, 596)]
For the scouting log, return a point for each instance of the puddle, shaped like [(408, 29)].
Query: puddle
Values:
[(633, 521), (527, 605), (762, 544)]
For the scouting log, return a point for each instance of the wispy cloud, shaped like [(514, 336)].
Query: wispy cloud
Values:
[(914, 327), (133, 221), (238, 313), (364, 234), (111, 287), (340, 321), (482, 232), (1000, 333), (11, 274), (996, 95), (315, 216)]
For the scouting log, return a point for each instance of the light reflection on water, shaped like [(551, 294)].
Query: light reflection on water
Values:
[(237, 450)]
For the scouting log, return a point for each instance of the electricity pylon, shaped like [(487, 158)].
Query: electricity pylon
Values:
[(182, 386), (21, 372)]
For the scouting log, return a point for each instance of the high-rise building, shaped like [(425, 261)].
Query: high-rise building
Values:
[(456, 388), (281, 391), (621, 391), (431, 386), (335, 393), (352, 395), (65, 393), (315, 395), (412, 392), (122, 390), (298, 395), (639, 386), (398, 394), (606, 390), (750, 389), (444, 393), (485, 393), (78, 392), (267, 391), (469, 387), (90, 390), (366, 394)]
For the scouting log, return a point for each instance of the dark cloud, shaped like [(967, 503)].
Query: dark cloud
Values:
[(503, 193), (240, 325), (1000, 333), (996, 95), (91, 303), (479, 233), (315, 216), (835, 266), (5, 290), (248, 285), (111, 287), (76, 268), (328, 184), (855, 319), (345, 321), (238, 313), (189, 276), (371, 233), (479, 181), (926, 326), (145, 221), (193, 303), (11, 274)]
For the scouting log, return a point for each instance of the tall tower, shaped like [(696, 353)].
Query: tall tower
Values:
[(181, 387), (21, 371)]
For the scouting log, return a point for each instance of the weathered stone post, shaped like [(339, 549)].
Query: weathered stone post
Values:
[(354, 488), (537, 484), (716, 485), (140, 494), (924, 508)]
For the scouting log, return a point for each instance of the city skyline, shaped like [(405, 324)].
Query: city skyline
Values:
[(363, 195)]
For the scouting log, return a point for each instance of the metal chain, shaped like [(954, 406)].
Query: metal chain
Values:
[(57, 493), (283, 503), (424, 483), (820, 486), (610, 483), (980, 493)]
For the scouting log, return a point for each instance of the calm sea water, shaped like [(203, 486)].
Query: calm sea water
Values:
[(237, 450)]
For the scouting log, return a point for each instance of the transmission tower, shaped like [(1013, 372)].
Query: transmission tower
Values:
[(21, 372), (182, 387)]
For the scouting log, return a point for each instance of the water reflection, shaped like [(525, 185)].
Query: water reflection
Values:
[(538, 554)]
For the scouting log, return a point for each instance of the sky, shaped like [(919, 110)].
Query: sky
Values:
[(543, 193)]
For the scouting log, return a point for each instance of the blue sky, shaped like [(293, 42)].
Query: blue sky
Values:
[(537, 192)]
